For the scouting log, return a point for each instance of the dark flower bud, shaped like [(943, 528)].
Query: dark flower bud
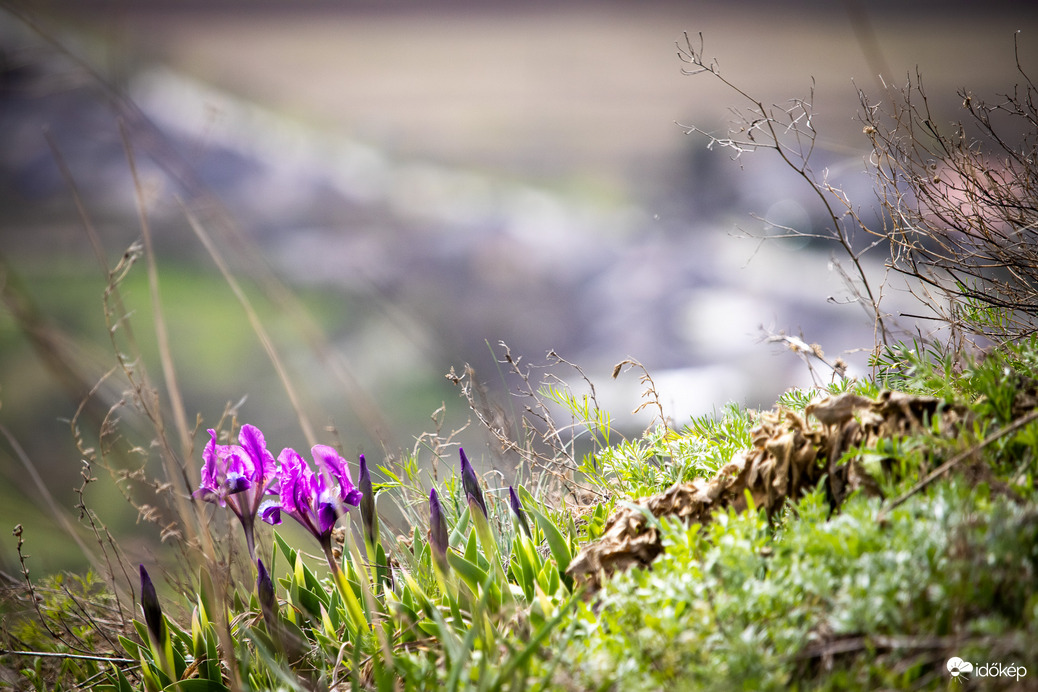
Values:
[(513, 501), (265, 593), (471, 484), (368, 516), (152, 610), (438, 537)]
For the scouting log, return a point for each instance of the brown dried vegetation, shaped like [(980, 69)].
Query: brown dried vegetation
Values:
[(791, 455)]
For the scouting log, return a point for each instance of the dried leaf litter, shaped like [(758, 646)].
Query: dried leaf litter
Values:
[(790, 455)]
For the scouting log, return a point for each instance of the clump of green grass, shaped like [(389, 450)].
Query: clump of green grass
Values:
[(880, 594)]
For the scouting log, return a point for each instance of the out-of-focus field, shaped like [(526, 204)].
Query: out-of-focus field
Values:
[(586, 88)]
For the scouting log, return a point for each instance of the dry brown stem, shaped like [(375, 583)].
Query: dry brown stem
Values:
[(789, 131), (962, 203)]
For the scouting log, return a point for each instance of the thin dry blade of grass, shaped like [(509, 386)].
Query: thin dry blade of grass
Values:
[(176, 468), (176, 400), (255, 322), (54, 509)]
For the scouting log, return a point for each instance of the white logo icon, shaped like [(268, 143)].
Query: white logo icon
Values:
[(959, 668)]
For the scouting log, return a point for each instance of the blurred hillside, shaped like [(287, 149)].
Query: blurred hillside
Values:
[(427, 180)]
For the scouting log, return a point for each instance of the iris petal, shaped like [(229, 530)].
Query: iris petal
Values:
[(270, 512), (237, 483), (209, 472), (261, 461), (338, 471), (326, 517), (315, 500), (208, 495)]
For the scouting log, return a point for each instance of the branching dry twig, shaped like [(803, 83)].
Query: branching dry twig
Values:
[(533, 435), (650, 397), (807, 353), (790, 133), (963, 204), (956, 460)]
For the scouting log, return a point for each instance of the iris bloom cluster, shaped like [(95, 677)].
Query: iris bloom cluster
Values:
[(244, 476)]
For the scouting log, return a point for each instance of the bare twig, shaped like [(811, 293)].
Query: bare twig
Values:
[(963, 204), (533, 434), (957, 459), (81, 657), (54, 509), (650, 397), (790, 133), (807, 353)]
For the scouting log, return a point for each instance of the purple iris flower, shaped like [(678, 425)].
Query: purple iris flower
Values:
[(315, 500), (238, 477)]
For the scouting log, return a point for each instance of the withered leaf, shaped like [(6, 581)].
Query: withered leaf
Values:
[(789, 457)]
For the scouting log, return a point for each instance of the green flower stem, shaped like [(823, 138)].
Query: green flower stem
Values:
[(353, 607), (375, 614), (248, 523), (491, 551)]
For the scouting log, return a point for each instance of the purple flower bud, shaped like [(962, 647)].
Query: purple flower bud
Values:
[(438, 537), (265, 593), (517, 509), (471, 484), (152, 610), (367, 503)]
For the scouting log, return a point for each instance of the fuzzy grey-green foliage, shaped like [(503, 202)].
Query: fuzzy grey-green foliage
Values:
[(742, 605)]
